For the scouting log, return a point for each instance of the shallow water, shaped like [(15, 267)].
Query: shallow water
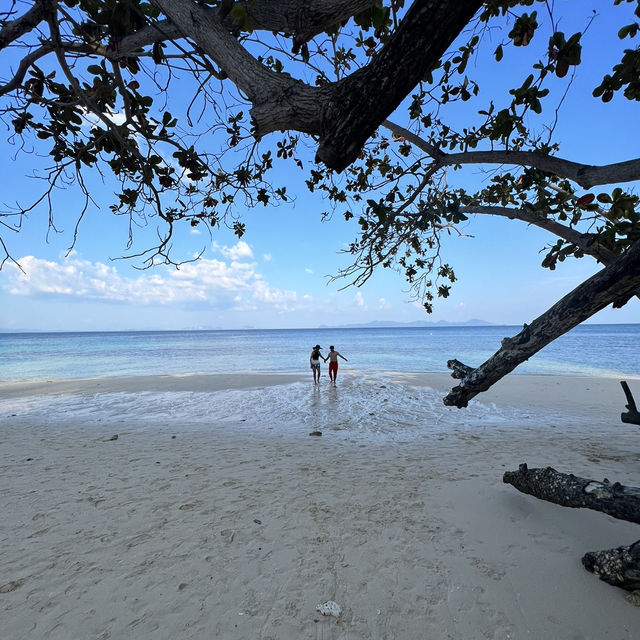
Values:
[(374, 406)]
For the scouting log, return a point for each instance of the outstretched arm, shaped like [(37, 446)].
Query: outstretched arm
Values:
[(343, 357)]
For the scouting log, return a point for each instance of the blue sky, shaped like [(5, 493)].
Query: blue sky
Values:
[(277, 276)]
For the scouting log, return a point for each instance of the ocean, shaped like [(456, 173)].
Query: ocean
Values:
[(371, 400), (587, 350)]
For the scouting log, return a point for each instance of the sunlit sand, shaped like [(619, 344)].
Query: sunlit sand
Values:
[(209, 518)]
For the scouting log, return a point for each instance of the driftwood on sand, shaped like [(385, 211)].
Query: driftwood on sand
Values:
[(620, 566)]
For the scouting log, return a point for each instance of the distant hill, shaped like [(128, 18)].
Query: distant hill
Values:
[(386, 324)]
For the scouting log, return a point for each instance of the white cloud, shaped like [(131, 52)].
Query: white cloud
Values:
[(384, 304), (267, 257), (239, 251), (285, 300), (359, 300), (309, 271), (215, 283)]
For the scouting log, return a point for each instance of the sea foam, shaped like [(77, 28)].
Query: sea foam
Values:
[(376, 405)]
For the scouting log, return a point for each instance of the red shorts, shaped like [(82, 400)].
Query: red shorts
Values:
[(333, 368)]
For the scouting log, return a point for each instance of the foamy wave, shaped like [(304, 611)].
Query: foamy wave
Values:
[(367, 404)]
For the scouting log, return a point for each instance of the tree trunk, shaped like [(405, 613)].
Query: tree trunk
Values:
[(343, 114), (632, 416), (618, 280)]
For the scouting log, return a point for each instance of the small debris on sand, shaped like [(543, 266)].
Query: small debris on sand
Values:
[(329, 608)]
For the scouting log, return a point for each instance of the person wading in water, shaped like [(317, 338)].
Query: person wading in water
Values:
[(314, 361), (333, 363)]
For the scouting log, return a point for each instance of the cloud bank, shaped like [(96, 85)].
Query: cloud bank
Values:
[(230, 283)]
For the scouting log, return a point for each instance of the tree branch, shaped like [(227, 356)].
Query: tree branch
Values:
[(344, 114), (15, 29), (368, 96), (23, 68), (620, 279), (279, 101), (304, 19), (586, 242), (585, 175), (632, 415), (409, 136)]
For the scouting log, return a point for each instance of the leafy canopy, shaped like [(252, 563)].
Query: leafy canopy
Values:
[(113, 87)]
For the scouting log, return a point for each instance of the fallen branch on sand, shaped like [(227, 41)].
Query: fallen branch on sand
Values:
[(619, 567)]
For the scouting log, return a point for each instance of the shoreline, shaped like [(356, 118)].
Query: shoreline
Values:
[(237, 532), (441, 381)]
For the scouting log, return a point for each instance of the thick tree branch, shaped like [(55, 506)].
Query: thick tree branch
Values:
[(585, 175), (303, 19), (344, 114), (367, 97), (621, 279), (14, 29), (279, 101), (586, 242)]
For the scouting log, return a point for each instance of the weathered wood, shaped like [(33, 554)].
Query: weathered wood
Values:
[(632, 416), (568, 490), (615, 282), (619, 567), (459, 369)]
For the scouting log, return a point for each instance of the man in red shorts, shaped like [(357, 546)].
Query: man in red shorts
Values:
[(333, 356)]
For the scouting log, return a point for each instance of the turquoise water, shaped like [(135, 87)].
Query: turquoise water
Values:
[(591, 350)]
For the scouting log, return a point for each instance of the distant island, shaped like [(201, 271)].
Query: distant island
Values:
[(387, 324)]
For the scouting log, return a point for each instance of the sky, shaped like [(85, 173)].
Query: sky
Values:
[(279, 275)]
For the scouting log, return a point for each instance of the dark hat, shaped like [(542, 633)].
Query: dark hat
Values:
[(317, 347)]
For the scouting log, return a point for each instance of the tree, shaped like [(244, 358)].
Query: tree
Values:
[(372, 85), (89, 83)]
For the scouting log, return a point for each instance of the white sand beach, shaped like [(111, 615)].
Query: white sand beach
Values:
[(238, 528)]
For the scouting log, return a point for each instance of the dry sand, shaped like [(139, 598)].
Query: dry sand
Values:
[(235, 533)]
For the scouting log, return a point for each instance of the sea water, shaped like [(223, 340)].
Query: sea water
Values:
[(372, 398), (587, 350)]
